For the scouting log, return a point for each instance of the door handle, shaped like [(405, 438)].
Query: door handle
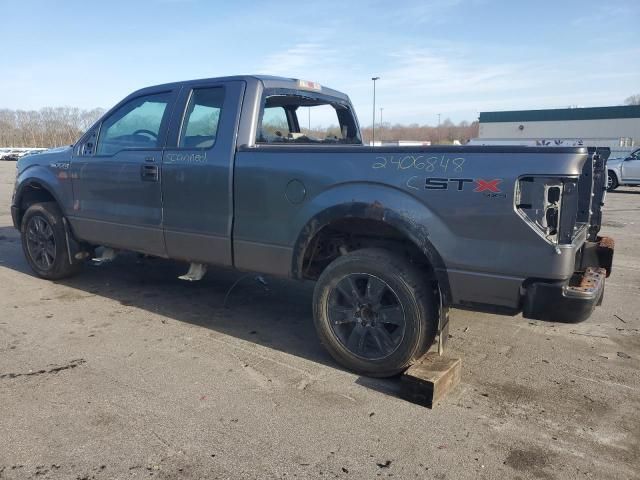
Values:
[(150, 173)]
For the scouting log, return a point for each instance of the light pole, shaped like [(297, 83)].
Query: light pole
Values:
[(373, 125)]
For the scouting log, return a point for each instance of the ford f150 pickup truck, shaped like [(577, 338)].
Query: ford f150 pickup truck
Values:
[(223, 172), (624, 171)]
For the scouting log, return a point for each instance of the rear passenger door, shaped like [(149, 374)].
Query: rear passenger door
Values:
[(197, 172), (116, 178)]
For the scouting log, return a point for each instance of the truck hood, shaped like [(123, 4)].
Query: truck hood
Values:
[(45, 158)]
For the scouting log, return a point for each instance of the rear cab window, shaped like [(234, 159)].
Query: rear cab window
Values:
[(297, 117)]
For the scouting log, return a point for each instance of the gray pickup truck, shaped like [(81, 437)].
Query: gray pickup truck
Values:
[(223, 172)]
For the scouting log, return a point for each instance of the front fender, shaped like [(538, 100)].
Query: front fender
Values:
[(55, 182), (615, 168), (375, 202)]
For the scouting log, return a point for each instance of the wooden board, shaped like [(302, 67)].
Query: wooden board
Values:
[(430, 379)]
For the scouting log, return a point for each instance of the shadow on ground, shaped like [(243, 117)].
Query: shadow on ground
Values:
[(278, 315), (630, 191)]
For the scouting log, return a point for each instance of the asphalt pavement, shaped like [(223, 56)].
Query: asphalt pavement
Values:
[(127, 372)]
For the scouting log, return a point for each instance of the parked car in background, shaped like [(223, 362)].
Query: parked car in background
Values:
[(17, 153), (624, 171), (12, 154), (5, 153)]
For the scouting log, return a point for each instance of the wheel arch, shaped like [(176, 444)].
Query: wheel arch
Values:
[(31, 191), (612, 173), (387, 222)]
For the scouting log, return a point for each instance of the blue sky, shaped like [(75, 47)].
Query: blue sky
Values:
[(454, 57)]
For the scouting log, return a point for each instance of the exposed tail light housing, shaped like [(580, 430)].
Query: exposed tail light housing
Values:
[(549, 206)]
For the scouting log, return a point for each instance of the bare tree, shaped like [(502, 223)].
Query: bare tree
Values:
[(463, 132), (633, 100), (47, 127)]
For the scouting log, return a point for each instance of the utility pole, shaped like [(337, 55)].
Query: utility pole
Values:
[(438, 128), (373, 125)]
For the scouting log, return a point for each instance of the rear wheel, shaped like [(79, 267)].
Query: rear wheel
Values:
[(375, 312), (44, 242), (612, 181)]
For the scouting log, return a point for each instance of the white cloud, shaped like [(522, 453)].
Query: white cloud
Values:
[(424, 71), (417, 82), (297, 60)]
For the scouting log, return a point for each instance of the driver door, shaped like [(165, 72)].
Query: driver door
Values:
[(116, 176), (631, 167)]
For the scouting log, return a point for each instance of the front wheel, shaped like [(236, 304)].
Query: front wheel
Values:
[(612, 181), (375, 312), (44, 242)]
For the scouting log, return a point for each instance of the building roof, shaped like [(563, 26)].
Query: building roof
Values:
[(562, 114)]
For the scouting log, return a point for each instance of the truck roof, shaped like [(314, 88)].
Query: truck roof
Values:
[(268, 81)]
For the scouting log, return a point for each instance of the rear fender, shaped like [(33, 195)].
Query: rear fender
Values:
[(375, 202)]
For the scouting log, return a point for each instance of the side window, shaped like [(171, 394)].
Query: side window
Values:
[(275, 125), (201, 119), (136, 124)]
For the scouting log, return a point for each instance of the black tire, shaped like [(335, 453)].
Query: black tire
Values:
[(387, 288), (612, 181), (44, 242)]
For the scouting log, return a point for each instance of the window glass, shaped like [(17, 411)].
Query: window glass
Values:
[(274, 124), (200, 124), (136, 125), (319, 121), (311, 121)]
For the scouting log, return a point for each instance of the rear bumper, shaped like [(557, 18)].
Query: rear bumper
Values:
[(572, 300)]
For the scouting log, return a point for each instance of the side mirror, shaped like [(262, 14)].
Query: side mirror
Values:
[(88, 145)]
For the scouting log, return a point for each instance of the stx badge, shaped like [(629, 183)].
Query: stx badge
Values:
[(489, 188)]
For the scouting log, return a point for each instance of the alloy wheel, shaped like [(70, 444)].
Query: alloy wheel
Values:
[(41, 242), (366, 316)]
